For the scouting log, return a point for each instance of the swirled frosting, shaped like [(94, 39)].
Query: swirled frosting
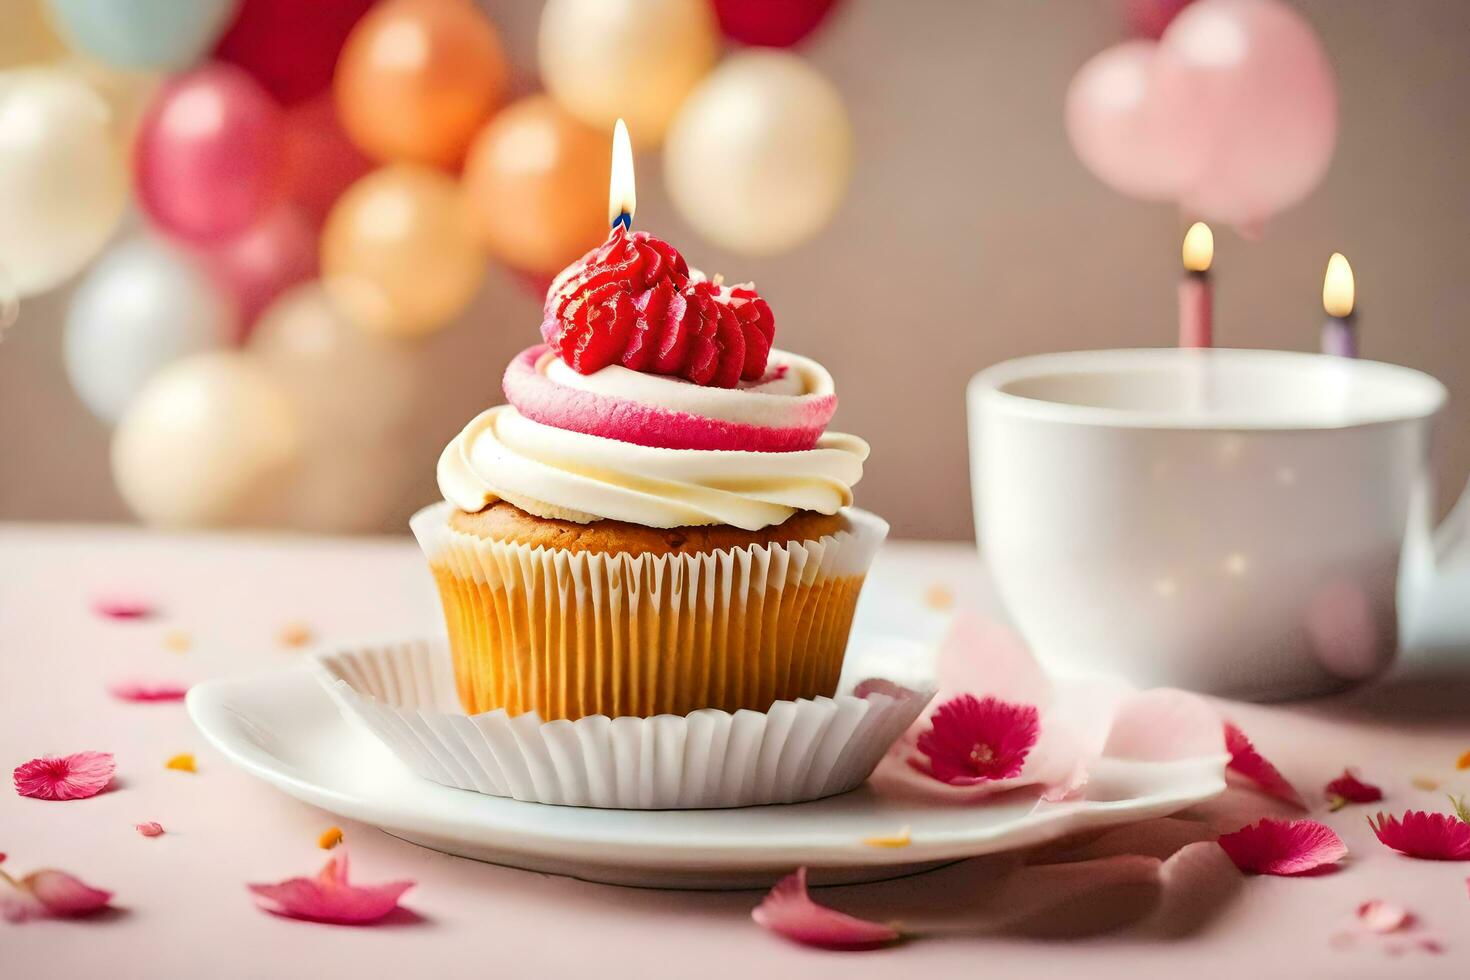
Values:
[(567, 475)]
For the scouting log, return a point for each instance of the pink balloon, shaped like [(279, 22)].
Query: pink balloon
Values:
[(1123, 134), (211, 155), (1256, 74), (264, 262), (322, 161)]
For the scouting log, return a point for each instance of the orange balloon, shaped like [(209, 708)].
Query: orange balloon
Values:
[(397, 251), (417, 78), (536, 185)]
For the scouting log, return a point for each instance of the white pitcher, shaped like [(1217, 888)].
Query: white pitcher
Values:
[(1234, 522)]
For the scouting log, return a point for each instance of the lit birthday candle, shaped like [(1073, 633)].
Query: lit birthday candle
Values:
[(622, 189), (1340, 330), (1196, 295)]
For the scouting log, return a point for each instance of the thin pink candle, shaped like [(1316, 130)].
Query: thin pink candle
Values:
[(1196, 295), (1340, 330)]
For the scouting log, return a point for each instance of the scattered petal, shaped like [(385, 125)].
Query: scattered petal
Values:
[(122, 607), (1384, 917), (330, 838), (1069, 788), (1463, 762), (330, 898), (1283, 847), (147, 691), (900, 839), (68, 777), (939, 596), (183, 762), (1162, 724), (790, 912), (150, 829), (1433, 836), (1246, 761), (64, 895), (1427, 783), (1348, 788), (295, 635), (177, 640), (973, 741)]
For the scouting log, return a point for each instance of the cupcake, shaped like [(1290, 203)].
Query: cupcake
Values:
[(657, 521)]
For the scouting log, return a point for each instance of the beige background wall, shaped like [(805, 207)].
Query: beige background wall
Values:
[(971, 235)]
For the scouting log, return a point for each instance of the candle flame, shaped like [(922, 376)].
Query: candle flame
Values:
[(1199, 247), (1338, 291), (622, 191)]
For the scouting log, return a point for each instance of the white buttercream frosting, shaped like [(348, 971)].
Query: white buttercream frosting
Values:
[(558, 473)]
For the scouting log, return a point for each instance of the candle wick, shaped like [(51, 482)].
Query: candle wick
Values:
[(625, 220)]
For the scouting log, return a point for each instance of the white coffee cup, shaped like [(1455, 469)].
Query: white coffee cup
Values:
[(1228, 521)]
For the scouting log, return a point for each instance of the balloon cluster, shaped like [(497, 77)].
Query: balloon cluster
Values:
[(323, 183), (1231, 112)]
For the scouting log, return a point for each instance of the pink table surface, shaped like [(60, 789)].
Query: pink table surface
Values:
[(183, 910)]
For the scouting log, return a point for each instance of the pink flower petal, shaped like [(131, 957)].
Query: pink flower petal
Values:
[(70, 777), (122, 607), (330, 898), (1247, 762), (980, 656), (1384, 917), (64, 895), (1283, 847), (147, 691), (1350, 789), (1433, 836), (1162, 725), (973, 741), (789, 911), (150, 829)]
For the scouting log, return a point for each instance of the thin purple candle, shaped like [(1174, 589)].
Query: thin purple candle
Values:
[(1340, 331)]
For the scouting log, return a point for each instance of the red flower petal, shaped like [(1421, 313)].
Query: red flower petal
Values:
[(1350, 789), (122, 607), (1434, 836), (789, 911), (134, 690), (1283, 847), (1245, 760), (70, 777), (329, 898), (150, 829), (65, 895), (1384, 917), (973, 741)]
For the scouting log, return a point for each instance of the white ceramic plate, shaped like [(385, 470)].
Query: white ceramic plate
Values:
[(283, 728)]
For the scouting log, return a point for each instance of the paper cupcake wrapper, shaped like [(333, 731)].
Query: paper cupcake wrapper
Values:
[(797, 750), (569, 634)]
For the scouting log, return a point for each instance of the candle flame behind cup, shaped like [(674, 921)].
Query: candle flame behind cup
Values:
[(1199, 247), (622, 191), (1338, 289)]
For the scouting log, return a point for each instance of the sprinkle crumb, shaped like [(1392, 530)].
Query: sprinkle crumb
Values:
[(1463, 762), (176, 640), (183, 762), (150, 829), (893, 841), (330, 838), (1426, 783), (939, 596), (295, 635)]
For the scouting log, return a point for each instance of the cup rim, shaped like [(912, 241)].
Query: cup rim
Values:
[(1425, 395)]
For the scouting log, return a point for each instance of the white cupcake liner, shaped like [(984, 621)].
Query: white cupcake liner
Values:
[(797, 750)]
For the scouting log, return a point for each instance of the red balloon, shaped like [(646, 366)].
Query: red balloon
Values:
[(210, 155), (1148, 18), (771, 23), (321, 161), (264, 262), (290, 46)]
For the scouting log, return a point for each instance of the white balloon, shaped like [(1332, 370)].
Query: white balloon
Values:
[(143, 305), (760, 155), (63, 184), (211, 440), (635, 59)]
